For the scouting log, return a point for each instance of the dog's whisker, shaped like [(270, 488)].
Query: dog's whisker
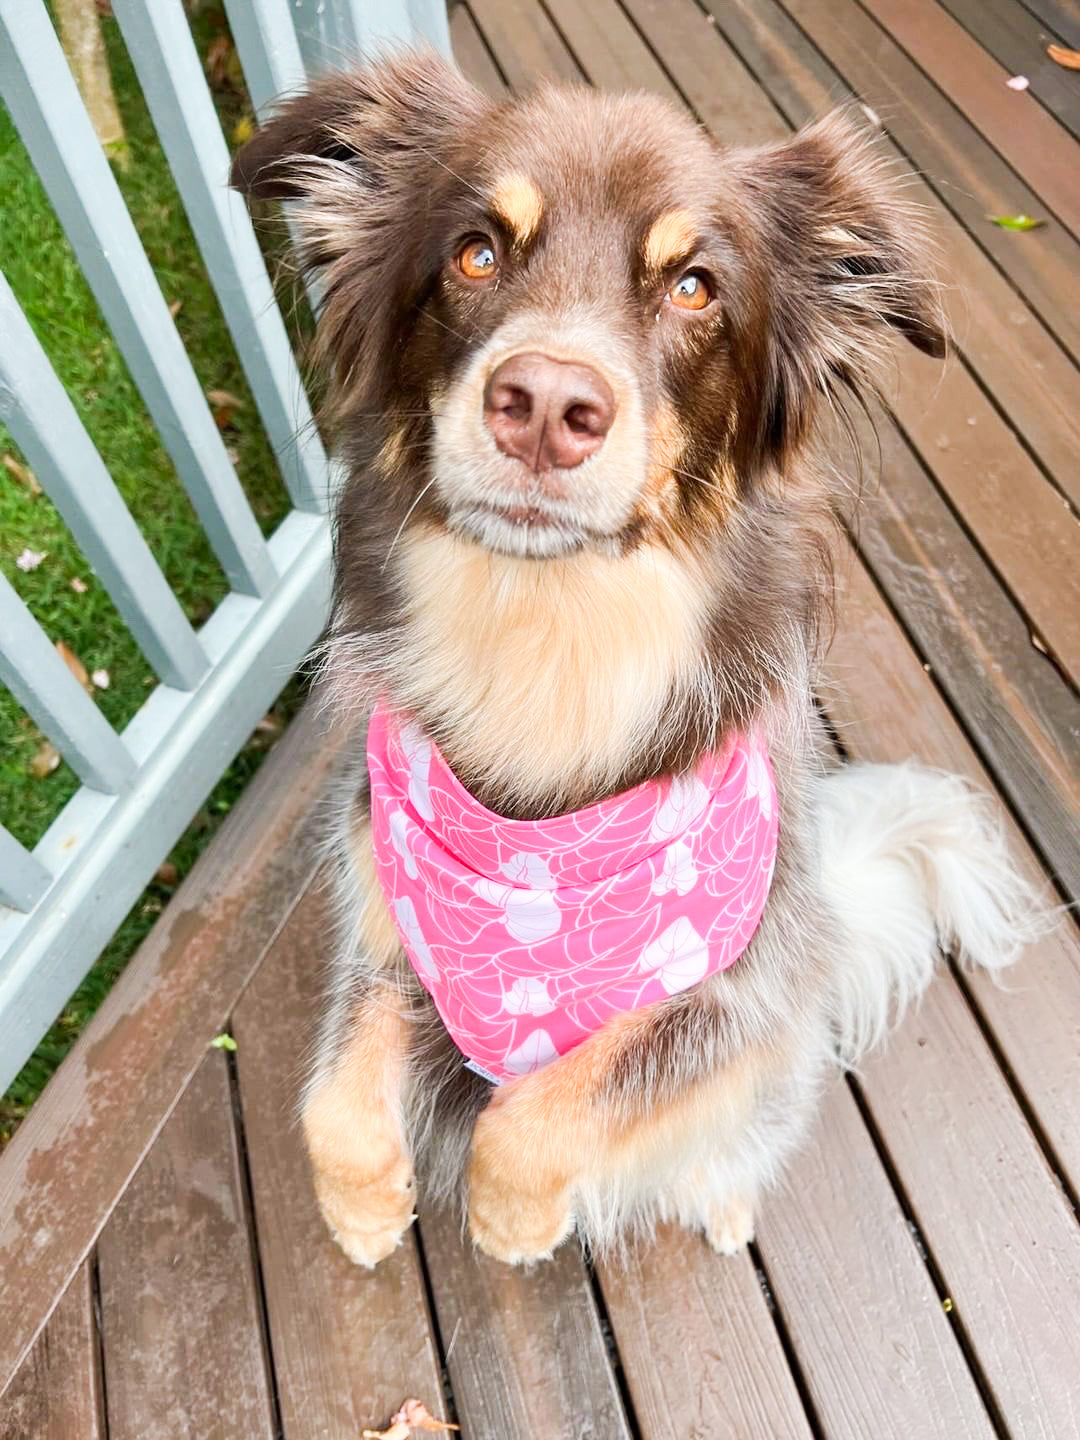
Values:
[(406, 519)]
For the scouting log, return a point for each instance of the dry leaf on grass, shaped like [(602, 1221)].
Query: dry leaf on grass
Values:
[(413, 1415), (175, 306), (222, 404), (1069, 59), (45, 761), (21, 474), (74, 664), (225, 397), (166, 873)]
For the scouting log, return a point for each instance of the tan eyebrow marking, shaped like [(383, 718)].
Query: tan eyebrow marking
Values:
[(669, 238), (517, 201)]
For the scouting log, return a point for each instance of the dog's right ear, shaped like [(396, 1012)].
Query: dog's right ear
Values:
[(368, 119)]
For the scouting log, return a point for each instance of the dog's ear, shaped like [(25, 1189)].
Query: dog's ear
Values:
[(363, 118), (848, 259), (370, 157)]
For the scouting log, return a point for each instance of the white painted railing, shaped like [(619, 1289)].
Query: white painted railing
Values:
[(60, 904)]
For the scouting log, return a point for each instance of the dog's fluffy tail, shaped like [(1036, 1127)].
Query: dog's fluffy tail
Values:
[(914, 860)]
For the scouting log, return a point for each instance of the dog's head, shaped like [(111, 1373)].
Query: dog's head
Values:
[(571, 320)]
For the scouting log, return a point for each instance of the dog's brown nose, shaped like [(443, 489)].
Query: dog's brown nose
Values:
[(548, 413)]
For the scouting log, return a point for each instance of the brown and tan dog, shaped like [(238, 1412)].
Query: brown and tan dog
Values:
[(578, 356)]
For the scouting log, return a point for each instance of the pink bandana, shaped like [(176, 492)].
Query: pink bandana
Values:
[(531, 934)]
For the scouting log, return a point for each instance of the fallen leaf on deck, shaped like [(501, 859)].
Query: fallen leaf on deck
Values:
[(73, 663), (1070, 59), (1016, 222), (78, 584), (1039, 644), (1018, 82), (21, 474), (224, 1041), (45, 761), (413, 1415), (99, 679), (30, 559)]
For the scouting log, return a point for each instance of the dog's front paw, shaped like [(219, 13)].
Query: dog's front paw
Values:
[(367, 1217), (730, 1227), (515, 1213)]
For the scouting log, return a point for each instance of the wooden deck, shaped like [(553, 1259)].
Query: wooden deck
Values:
[(163, 1271)]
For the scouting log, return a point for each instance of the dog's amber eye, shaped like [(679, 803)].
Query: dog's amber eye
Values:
[(692, 292), (476, 260)]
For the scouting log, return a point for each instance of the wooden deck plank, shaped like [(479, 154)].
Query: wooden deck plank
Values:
[(1018, 41), (1062, 17), (1021, 523), (966, 173), (891, 710), (349, 1344), (71, 1158), (526, 43), (56, 1394), (1014, 704), (472, 55), (1014, 356), (1028, 138), (1024, 714), (180, 1323), (608, 49), (699, 1348), (876, 1348), (525, 1350), (997, 1223)]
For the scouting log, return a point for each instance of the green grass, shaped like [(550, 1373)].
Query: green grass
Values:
[(42, 271)]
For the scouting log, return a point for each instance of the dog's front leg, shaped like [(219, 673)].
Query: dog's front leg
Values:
[(355, 1136), (353, 1111), (544, 1134), (594, 1115)]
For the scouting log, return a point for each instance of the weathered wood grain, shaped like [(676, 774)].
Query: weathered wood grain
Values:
[(700, 1351), (876, 1348), (56, 1394), (885, 707), (526, 1351), (181, 1328)]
